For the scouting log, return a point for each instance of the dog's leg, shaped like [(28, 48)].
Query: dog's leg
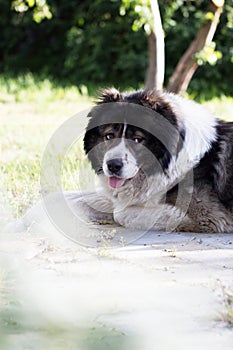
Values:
[(162, 218), (84, 206), (92, 206)]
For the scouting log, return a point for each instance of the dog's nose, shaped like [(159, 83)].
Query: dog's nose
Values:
[(115, 165)]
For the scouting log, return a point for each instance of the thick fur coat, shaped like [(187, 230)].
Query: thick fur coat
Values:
[(164, 162)]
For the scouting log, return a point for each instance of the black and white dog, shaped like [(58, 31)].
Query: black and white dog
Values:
[(163, 162), (143, 145)]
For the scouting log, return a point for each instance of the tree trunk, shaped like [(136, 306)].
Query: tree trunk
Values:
[(187, 65), (151, 70), (156, 64)]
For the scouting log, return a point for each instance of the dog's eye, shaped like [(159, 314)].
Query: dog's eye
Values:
[(138, 139), (109, 136)]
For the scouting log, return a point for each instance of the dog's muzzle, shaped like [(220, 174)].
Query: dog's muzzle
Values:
[(115, 166)]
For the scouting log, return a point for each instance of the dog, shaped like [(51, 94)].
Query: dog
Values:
[(164, 163)]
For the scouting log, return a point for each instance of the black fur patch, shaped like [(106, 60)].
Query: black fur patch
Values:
[(163, 135), (217, 164)]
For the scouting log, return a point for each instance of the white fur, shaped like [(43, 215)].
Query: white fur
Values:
[(200, 128), (121, 151)]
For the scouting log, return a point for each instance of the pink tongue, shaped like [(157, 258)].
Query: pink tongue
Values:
[(115, 182)]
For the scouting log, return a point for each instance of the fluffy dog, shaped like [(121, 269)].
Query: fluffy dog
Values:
[(164, 163)]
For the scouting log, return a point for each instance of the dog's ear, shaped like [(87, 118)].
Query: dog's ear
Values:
[(151, 99), (109, 95), (158, 102)]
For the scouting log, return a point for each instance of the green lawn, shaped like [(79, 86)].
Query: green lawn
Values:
[(30, 113)]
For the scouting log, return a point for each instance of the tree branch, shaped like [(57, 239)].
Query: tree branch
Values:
[(187, 65)]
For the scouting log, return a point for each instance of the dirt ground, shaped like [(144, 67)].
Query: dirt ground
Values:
[(162, 291)]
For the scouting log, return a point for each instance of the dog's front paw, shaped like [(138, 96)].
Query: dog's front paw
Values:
[(131, 219), (122, 218), (186, 225), (101, 218)]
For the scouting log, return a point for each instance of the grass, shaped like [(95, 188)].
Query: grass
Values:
[(31, 111), (227, 314), (221, 107)]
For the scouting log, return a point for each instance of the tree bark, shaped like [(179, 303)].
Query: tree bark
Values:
[(151, 70), (187, 65), (156, 64)]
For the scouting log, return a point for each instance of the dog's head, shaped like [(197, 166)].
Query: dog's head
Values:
[(132, 133)]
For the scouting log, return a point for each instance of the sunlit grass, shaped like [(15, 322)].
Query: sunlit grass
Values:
[(221, 107), (76, 170), (31, 111), (29, 88)]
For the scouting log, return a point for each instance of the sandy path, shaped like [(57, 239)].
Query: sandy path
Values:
[(163, 291)]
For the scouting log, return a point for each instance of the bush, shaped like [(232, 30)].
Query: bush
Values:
[(91, 43)]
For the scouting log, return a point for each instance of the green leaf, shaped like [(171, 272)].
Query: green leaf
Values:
[(31, 3)]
